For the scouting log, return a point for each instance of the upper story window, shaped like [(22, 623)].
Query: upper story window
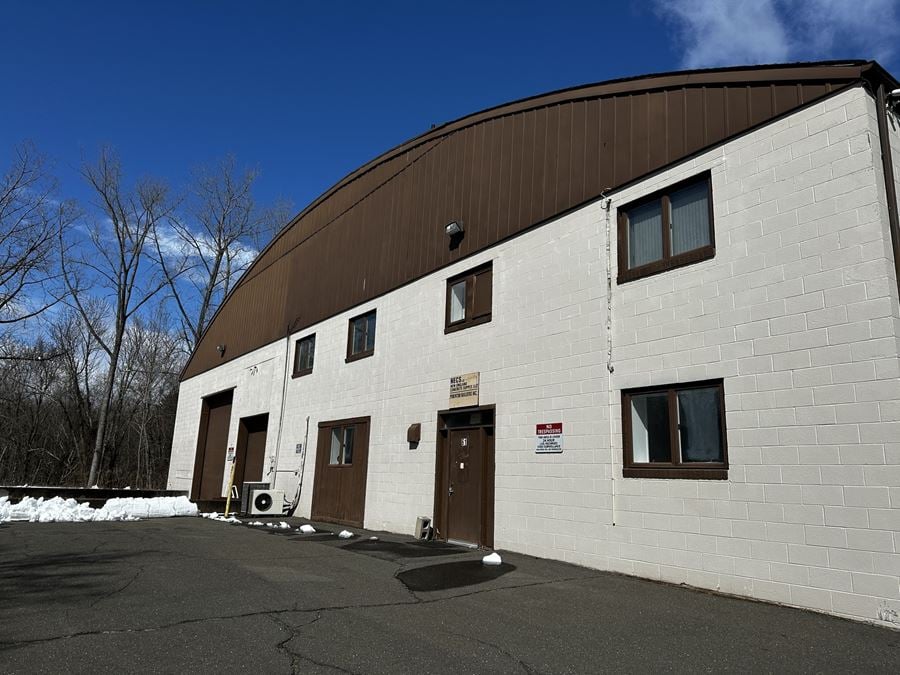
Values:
[(361, 338), (675, 431), (469, 298), (304, 355), (667, 229)]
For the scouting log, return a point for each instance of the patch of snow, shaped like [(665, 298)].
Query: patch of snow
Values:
[(345, 534), (256, 523), (59, 510), (221, 518), (373, 538), (492, 559), (306, 529), (279, 526)]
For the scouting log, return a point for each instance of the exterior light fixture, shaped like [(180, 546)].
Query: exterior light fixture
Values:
[(453, 228)]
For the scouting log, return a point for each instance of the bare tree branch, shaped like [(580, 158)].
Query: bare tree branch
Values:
[(29, 220), (113, 261), (202, 253)]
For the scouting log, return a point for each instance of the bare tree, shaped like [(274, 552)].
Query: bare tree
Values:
[(110, 264), (48, 402), (29, 219), (151, 362), (81, 369), (204, 251), (28, 449)]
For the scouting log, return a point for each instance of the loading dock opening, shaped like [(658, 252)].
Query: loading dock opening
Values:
[(212, 442)]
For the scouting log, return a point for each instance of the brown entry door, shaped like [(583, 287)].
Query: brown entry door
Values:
[(209, 466), (251, 449), (342, 458), (465, 490)]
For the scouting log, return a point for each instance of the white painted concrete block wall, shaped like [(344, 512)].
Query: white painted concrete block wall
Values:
[(256, 379), (798, 312), (535, 360)]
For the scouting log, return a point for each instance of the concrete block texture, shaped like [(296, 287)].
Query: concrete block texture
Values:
[(797, 312)]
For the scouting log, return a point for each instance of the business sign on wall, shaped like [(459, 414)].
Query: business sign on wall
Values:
[(464, 390), (549, 438)]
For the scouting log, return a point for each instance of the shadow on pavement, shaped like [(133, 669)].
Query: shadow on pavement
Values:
[(59, 577), (452, 575), (391, 550)]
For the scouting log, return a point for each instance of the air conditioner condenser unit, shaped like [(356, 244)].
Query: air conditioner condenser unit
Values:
[(266, 502), (247, 490)]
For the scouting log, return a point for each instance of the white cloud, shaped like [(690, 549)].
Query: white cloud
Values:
[(719, 32), (170, 244), (860, 28), (734, 32), (174, 247)]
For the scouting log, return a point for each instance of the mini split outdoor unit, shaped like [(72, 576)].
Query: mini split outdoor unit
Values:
[(247, 490), (266, 502)]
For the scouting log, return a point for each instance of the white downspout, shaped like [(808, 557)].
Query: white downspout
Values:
[(609, 359), (273, 468)]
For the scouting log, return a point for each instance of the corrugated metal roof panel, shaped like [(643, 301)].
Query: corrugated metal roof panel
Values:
[(500, 171)]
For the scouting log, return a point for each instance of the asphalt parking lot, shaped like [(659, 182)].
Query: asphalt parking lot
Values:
[(193, 595)]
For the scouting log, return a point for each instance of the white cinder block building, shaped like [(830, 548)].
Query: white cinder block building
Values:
[(649, 326)]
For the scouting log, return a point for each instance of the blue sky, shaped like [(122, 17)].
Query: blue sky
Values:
[(308, 91)]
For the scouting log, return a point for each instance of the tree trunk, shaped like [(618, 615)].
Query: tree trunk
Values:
[(104, 412)]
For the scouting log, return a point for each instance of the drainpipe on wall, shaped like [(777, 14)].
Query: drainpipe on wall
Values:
[(609, 358), (287, 352), (887, 163)]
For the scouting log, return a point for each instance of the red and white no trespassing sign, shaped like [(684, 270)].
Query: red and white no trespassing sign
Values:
[(549, 437)]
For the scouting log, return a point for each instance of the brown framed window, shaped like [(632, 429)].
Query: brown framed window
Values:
[(675, 431), (361, 336), (304, 355), (469, 298), (667, 229), (341, 450)]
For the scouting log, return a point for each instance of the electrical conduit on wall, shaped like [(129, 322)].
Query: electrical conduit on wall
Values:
[(609, 358), (273, 468)]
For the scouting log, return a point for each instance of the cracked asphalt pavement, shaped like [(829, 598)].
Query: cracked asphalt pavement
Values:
[(190, 594)]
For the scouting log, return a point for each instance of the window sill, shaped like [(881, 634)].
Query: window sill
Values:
[(301, 373), (671, 471), (462, 325), (359, 355), (689, 258)]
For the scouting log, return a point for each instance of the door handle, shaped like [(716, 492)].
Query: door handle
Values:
[(450, 491)]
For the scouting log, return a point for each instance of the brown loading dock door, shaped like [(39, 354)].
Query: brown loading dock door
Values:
[(342, 457), (212, 442), (251, 449), (464, 481)]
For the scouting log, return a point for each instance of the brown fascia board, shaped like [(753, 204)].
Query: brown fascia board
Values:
[(846, 70), (874, 74)]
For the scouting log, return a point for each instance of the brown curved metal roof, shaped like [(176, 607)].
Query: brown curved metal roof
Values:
[(501, 171)]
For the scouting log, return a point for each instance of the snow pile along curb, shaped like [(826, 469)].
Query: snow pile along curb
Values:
[(59, 510)]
